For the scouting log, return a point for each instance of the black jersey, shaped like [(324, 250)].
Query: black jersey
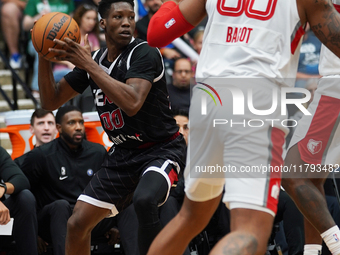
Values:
[(154, 122)]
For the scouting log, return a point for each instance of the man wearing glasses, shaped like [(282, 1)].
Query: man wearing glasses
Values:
[(179, 90)]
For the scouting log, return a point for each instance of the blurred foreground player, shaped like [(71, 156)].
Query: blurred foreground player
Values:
[(258, 40), (314, 149)]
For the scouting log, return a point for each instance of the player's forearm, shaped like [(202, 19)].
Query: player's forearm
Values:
[(48, 88), (125, 96)]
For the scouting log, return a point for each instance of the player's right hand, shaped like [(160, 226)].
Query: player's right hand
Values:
[(4, 214)]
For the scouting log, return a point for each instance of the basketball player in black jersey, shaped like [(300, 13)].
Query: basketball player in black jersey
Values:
[(128, 84)]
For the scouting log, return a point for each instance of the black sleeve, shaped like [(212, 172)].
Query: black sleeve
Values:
[(146, 63), (10, 172), (32, 166), (20, 160), (77, 79)]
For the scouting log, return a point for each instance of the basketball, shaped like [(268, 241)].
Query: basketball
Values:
[(54, 25)]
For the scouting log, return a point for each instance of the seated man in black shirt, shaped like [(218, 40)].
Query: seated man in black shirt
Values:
[(43, 127), (58, 172), (20, 205), (179, 90)]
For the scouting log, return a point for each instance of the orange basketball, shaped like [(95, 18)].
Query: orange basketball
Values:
[(54, 25)]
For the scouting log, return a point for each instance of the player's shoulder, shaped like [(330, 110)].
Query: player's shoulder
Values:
[(143, 46), (98, 53), (145, 53)]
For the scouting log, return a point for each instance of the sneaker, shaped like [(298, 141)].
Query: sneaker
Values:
[(15, 61)]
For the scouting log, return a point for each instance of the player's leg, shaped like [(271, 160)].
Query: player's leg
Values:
[(84, 218), (189, 222), (311, 143), (203, 195), (150, 192), (313, 240), (109, 192), (316, 142), (250, 231), (308, 195)]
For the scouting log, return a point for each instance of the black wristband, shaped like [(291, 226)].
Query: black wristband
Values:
[(3, 185)]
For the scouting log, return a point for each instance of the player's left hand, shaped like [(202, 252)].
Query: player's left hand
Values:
[(73, 52)]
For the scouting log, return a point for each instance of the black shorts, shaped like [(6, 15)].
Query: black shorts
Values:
[(113, 185)]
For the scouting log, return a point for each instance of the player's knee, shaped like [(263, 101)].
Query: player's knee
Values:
[(144, 202), (72, 224), (76, 226)]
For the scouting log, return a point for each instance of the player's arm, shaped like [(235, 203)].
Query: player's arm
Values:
[(52, 94), (172, 21), (129, 96), (324, 20)]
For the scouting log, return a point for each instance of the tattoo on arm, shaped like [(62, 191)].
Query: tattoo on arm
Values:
[(328, 30), (241, 244)]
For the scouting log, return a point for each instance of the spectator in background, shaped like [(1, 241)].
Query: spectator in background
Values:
[(182, 121), (179, 90), (44, 129), (11, 16), (198, 40), (33, 11), (197, 43), (87, 18), (142, 27), (58, 172), (20, 205), (143, 23)]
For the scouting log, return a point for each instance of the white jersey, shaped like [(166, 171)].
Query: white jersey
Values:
[(329, 63), (260, 39)]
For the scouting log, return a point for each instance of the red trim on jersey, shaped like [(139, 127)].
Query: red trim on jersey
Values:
[(173, 176), (299, 33), (166, 25), (337, 7), (313, 145), (278, 140)]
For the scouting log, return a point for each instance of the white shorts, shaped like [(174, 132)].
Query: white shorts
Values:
[(318, 135), (235, 151)]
